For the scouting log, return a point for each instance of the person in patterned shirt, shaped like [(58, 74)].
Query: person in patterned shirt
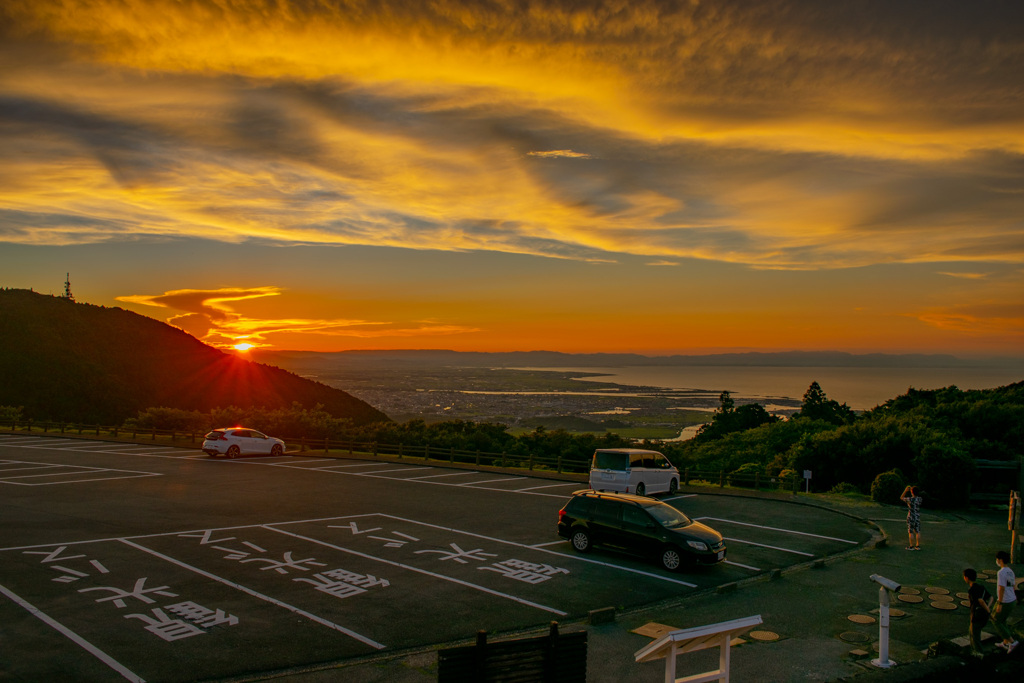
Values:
[(911, 497)]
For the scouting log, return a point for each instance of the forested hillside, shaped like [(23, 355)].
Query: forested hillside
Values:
[(61, 360), (931, 438)]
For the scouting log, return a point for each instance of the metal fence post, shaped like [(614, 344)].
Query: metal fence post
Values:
[(559, 464)]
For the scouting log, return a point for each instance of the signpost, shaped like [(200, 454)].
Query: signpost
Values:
[(1013, 523)]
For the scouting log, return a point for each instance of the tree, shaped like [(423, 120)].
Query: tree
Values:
[(729, 419), (818, 406)]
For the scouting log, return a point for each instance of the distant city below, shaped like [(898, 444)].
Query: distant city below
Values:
[(636, 396)]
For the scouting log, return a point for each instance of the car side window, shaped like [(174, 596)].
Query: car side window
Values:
[(634, 516), (662, 462), (607, 511), (636, 460), (649, 460), (257, 435), (580, 507), (240, 432)]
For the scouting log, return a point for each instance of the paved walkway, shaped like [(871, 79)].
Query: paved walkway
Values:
[(808, 608)]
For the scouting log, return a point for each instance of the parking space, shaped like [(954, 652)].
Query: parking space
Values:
[(295, 561)]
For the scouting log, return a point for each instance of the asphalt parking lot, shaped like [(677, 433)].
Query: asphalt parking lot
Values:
[(125, 561)]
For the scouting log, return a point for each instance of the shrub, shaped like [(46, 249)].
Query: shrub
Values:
[(887, 487), (844, 487), (945, 474), (744, 475)]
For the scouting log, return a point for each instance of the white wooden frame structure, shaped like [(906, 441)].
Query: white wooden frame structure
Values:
[(675, 643)]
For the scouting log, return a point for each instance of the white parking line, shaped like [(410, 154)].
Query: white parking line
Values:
[(688, 495), (5, 480), (24, 440), (5, 470), (540, 549), (545, 545), (550, 486), (257, 594), (73, 637), (400, 469), (435, 476), (770, 547), (488, 481), (772, 528), (421, 571), (68, 470), (742, 566), (361, 464)]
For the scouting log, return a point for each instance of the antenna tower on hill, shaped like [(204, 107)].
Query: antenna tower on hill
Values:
[(67, 288)]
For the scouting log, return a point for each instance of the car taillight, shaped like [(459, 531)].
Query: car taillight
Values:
[(562, 515)]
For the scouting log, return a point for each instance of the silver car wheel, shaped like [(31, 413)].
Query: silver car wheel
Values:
[(581, 541), (670, 559)]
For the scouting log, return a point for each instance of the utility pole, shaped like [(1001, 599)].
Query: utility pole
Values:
[(67, 288)]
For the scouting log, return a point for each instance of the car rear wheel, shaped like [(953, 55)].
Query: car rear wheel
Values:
[(276, 450), (671, 559), (233, 452), (641, 490), (673, 486), (581, 541)]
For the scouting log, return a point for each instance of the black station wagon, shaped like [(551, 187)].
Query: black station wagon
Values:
[(638, 525)]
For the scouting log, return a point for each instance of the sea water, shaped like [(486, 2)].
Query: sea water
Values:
[(861, 388)]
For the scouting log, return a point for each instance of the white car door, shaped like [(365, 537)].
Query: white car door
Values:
[(240, 437), (260, 442)]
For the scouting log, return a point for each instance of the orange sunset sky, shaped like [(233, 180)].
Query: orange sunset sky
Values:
[(644, 175)]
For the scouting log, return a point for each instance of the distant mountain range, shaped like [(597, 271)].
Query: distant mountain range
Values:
[(62, 360), (310, 360)]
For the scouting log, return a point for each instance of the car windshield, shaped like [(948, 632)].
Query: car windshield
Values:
[(668, 516)]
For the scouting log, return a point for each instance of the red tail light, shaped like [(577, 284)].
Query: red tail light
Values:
[(561, 515)]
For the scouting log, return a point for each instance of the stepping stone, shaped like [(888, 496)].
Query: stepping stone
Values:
[(861, 619)]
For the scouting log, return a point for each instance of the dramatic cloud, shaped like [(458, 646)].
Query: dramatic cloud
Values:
[(784, 134), (208, 316)]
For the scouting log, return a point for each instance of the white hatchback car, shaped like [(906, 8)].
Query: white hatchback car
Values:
[(236, 441)]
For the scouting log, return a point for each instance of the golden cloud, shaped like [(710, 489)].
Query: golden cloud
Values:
[(207, 315), (766, 135)]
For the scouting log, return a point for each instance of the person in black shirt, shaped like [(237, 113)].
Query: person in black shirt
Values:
[(978, 597)]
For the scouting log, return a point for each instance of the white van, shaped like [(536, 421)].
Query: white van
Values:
[(632, 470)]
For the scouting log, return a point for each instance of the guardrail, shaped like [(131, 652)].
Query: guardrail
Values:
[(422, 452)]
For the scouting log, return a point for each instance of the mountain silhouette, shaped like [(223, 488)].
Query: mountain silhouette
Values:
[(74, 362)]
